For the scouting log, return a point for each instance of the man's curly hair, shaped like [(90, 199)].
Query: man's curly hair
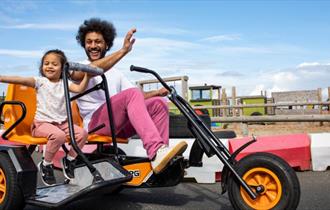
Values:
[(103, 27)]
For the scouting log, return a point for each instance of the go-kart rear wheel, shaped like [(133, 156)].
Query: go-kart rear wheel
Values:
[(270, 177), (10, 194)]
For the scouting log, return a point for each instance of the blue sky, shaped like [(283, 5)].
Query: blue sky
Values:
[(253, 45)]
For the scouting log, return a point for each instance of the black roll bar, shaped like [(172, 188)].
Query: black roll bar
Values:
[(21, 118), (103, 85)]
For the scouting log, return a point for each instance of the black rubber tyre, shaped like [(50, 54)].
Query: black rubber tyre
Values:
[(280, 182), (228, 134), (256, 123), (11, 196), (256, 114), (179, 126)]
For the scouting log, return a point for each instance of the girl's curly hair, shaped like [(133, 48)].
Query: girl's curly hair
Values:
[(103, 27), (58, 53)]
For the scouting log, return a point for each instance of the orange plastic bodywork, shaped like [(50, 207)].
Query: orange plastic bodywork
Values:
[(140, 171), (22, 132)]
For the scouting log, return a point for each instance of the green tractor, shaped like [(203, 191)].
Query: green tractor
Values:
[(254, 111), (206, 95)]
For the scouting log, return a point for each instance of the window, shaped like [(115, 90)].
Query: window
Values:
[(196, 95), (200, 95), (206, 94)]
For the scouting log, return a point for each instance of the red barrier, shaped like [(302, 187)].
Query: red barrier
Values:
[(295, 149)]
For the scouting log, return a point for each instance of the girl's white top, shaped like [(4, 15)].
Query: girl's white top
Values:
[(50, 100)]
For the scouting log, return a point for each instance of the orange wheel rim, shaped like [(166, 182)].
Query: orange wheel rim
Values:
[(2, 185), (272, 188)]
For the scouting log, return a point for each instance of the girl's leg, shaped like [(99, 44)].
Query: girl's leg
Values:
[(129, 108), (80, 137), (56, 137)]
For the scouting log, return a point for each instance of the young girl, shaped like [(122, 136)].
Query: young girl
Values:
[(50, 119)]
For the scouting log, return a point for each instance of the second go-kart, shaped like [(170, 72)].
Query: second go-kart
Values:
[(258, 181)]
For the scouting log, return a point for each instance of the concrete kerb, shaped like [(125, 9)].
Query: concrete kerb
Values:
[(320, 151)]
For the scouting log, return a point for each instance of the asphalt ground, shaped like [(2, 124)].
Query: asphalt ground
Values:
[(315, 191)]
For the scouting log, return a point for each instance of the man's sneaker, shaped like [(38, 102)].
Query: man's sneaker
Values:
[(68, 167), (47, 174), (165, 154)]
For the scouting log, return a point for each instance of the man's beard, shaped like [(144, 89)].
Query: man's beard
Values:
[(102, 54)]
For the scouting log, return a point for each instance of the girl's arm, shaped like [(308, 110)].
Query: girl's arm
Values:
[(27, 81), (78, 88)]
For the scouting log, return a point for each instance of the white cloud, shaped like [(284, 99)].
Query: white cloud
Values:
[(169, 58), (15, 7), (235, 50), (19, 70), (314, 70), (36, 53), (159, 54), (275, 88), (284, 77), (43, 26), (220, 38), (308, 64), (22, 53), (257, 89), (302, 77), (163, 31), (7, 19), (288, 79), (229, 74), (162, 43)]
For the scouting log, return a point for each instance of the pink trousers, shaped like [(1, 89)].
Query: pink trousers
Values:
[(132, 115), (56, 135)]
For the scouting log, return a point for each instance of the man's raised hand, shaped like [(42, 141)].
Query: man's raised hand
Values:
[(129, 40)]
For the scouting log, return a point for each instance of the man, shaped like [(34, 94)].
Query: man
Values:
[(144, 113)]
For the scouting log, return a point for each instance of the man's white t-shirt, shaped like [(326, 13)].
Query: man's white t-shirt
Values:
[(89, 103), (50, 100)]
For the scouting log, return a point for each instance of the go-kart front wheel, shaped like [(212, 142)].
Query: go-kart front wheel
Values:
[(271, 178), (10, 193)]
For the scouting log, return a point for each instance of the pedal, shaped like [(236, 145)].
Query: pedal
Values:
[(186, 163), (177, 160)]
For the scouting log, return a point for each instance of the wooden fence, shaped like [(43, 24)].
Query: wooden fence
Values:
[(323, 116)]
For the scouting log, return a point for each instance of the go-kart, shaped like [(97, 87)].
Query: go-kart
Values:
[(257, 181)]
